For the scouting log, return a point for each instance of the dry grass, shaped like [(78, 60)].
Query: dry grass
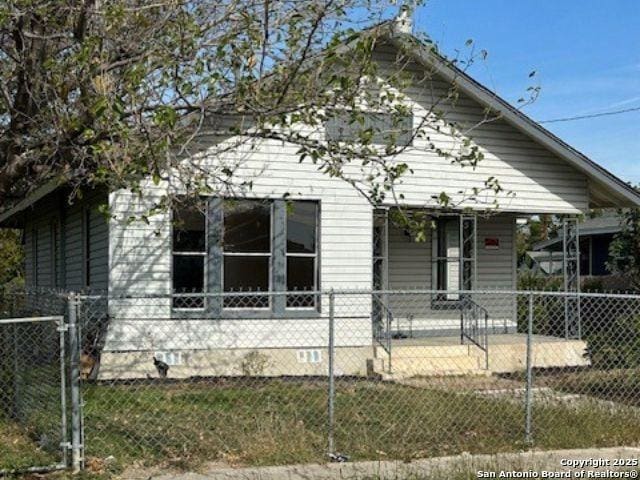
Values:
[(268, 422), (278, 422), (18, 450)]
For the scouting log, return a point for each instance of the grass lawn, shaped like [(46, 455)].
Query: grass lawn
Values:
[(278, 422), (621, 386), (268, 422), (17, 449)]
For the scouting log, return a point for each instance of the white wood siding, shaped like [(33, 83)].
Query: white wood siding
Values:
[(541, 181), (140, 253), (410, 268)]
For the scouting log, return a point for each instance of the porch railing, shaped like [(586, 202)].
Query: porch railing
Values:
[(474, 325)]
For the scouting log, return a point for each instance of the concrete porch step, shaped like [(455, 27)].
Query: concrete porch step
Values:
[(426, 351), (446, 356)]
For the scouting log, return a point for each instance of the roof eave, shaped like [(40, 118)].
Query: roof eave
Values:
[(29, 201), (625, 195)]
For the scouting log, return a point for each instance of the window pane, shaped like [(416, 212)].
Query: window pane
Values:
[(188, 276), (188, 230), (188, 273), (300, 277), (246, 274), (301, 227), (247, 226)]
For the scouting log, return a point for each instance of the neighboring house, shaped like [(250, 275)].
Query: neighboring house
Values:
[(545, 263), (596, 234), (332, 238)]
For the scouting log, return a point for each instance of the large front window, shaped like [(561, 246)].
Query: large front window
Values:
[(235, 246)]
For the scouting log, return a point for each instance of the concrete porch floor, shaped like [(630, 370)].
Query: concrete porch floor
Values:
[(494, 339), (445, 355)]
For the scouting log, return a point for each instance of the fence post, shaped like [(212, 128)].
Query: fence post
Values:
[(63, 332), (74, 357), (332, 384), (17, 394), (529, 392)]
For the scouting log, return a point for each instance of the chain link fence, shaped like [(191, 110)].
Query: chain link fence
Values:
[(33, 408), (274, 378)]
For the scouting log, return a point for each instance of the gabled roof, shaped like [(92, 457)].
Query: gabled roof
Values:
[(607, 223), (606, 190)]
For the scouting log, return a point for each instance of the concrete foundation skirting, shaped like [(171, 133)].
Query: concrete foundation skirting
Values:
[(397, 470), (267, 362)]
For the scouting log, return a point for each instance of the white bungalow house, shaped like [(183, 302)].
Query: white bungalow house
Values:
[(332, 238)]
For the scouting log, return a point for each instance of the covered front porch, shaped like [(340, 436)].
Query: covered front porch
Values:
[(449, 301), (455, 254)]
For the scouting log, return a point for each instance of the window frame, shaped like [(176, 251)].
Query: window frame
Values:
[(213, 306), (375, 140), (86, 247), (315, 256), (195, 310), (55, 252), (34, 254)]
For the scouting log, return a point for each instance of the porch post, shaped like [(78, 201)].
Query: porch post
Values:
[(468, 251), (571, 273), (467, 254)]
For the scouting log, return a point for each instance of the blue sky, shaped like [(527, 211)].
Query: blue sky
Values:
[(586, 54)]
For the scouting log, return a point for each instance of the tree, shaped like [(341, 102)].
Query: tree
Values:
[(537, 228), (110, 93), (11, 258), (624, 250)]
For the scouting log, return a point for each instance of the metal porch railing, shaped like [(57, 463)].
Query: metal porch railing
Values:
[(474, 325)]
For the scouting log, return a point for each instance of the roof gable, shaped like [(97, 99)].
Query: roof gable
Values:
[(606, 190)]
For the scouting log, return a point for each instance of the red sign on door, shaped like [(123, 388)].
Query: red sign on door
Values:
[(491, 243)]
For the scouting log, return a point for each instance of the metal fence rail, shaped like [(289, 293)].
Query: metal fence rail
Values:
[(274, 378), (33, 392)]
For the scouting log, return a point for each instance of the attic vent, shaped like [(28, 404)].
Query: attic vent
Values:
[(384, 128)]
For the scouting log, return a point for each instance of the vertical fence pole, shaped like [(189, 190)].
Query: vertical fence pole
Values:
[(529, 392), (74, 357), (332, 381), (63, 330), (17, 394)]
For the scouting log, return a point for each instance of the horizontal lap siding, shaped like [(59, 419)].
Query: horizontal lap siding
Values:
[(410, 268), (496, 270), (541, 181), (140, 252), (68, 271)]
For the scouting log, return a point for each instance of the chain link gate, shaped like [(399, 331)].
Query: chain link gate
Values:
[(33, 392), (40, 398)]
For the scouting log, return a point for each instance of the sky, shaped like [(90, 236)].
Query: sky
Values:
[(586, 54)]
